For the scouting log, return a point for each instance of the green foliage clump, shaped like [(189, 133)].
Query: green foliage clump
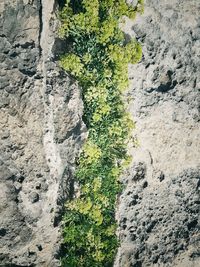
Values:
[(98, 57)]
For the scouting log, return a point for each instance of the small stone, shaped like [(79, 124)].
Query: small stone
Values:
[(34, 197), (189, 142), (44, 186), (155, 258), (5, 134), (18, 186)]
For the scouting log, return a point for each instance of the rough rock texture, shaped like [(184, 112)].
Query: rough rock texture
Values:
[(41, 132), (159, 209)]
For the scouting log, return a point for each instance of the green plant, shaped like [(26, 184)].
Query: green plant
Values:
[(98, 57)]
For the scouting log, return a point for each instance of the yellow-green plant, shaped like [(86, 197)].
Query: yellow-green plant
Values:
[(98, 57)]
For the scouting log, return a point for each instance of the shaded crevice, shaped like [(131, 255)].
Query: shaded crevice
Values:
[(61, 3), (74, 132), (41, 27), (27, 72), (163, 88)]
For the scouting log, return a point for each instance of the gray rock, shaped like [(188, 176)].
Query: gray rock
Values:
[(159, 210), (41, 134)]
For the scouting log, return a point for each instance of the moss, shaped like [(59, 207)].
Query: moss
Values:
[(98, 58)]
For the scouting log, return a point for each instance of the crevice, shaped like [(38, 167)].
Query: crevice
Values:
[(2, 231), (192, 224), (61, 3), (25, 45), (27, 72), (41, 27), (74, 132), (163, 88)]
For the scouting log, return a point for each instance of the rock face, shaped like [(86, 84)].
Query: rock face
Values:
[(42, 131), (40, 135), (159, 209)]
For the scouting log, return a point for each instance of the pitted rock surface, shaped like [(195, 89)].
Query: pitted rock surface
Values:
[(158, 213), (41, 132), (160, 223)]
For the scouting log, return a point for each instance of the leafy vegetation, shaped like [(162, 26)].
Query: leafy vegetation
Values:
[(98, 58)]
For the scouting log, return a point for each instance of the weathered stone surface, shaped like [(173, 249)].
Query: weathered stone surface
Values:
[(41, 132), (160, 223), (159, 209)]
